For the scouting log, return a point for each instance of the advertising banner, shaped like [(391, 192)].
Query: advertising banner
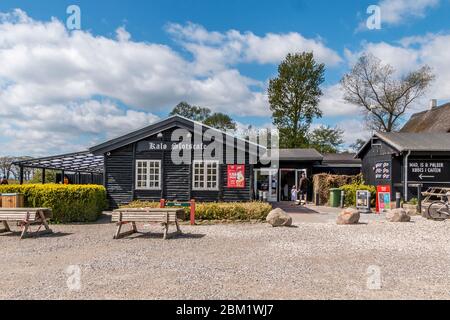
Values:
[(236, 176)]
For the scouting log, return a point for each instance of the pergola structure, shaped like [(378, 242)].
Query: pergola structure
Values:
[(79, 162)]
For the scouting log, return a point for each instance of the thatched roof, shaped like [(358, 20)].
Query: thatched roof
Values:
[(436, 120)]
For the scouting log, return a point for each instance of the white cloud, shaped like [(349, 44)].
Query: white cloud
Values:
[(413, 52), (52, 80), (221, 49), (332, 103), (395, 12), (37, 129)]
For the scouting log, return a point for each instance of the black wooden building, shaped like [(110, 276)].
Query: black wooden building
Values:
[(405, 161), (140, 166)]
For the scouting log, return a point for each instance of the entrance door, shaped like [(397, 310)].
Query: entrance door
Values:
[(266, 185), (289, 179)]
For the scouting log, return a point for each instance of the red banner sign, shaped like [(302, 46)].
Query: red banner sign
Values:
[(236, 176)]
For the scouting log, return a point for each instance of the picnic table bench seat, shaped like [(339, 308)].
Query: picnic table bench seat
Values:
[(26, 217), (130, 216)]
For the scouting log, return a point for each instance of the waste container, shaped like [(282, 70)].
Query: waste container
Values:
[(335, 197), (12, 200)]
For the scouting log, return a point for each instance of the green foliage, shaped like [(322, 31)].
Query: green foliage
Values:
[(219, 211), (69, 203), (413, 201), (216, 120), (350, 193), (50, 176), (294, 98), (326, 139), (220, 121), (191, 112)]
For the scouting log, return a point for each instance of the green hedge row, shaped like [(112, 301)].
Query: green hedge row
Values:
[(69, 203), (245, 211), (350, 193)]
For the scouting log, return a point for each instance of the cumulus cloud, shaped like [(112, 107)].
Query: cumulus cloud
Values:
[(233, 46), (52, 79), (410, 54), (395, 12)]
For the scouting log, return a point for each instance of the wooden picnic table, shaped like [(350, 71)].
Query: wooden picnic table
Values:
[(26, 217), (165, 216)]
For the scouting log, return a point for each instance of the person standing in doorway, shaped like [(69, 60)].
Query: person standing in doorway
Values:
[(303, 187)]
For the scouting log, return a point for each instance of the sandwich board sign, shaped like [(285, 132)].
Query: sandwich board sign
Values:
[(363, 201), (383, 198)]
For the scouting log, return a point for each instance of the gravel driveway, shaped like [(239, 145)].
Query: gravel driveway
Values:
[(242, 261)]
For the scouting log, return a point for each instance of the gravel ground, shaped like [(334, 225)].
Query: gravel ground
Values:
[(317, 260)]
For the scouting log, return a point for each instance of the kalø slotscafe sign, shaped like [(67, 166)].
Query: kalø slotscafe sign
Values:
[(236, 176)]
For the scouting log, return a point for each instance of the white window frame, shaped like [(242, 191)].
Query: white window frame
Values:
[(205, 175), (148, 166)]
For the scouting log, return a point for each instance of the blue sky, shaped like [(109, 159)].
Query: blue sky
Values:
[(226, 49)]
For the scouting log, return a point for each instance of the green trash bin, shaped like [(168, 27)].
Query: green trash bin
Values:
[(335, 197)]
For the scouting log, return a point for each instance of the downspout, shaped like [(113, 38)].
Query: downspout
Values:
[(405, 164)]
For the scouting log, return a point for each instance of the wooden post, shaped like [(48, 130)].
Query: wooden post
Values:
[(192, 212), (43, 176), (162, 203), (21, 174)]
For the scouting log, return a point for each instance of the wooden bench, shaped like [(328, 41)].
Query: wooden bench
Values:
[(26, 217), (163, 216)]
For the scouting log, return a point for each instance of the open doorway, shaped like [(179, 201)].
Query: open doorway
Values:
[(288, 179)]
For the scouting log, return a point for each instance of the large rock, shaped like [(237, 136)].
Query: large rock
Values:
[(397, 215), (348, 216), (279, 218)]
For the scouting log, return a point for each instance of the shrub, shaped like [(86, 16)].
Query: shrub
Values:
[(219, 210), (350, 193), (323, 182), (69, 203)]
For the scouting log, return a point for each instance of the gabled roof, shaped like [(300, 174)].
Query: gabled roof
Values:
[(294, 155), (435, 120), (415, 142), (155, 128)]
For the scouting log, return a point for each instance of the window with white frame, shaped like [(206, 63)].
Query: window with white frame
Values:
[(148, 174), (205, 175)]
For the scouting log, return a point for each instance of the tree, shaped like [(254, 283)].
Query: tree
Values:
[(6, 166), (216, 120), (326, 139), (357, 145), (220, 121), (195, 113), (294, 96), (382, 96)]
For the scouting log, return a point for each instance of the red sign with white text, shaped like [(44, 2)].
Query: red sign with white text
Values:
[(236, 176)]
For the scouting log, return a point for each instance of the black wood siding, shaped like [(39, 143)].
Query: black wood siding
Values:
[(119, 176), (176, 179)]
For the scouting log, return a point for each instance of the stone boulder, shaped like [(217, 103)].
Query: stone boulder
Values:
[(279, 218), (397, 215), (348, 216)]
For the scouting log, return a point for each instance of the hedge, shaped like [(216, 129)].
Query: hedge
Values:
[(323, 182), (69, 203), (245, 211), (350, 193)]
